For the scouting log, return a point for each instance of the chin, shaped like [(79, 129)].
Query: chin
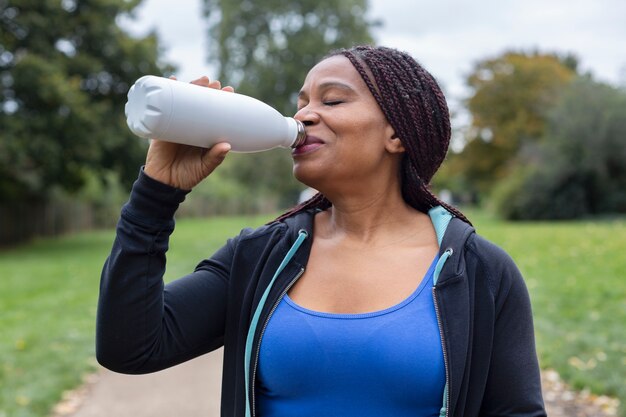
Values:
[(308, 175)]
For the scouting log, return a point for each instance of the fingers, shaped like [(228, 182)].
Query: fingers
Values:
[(216, 84), (205, 82), (202, 81)]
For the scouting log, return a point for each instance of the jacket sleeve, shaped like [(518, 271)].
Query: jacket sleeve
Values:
[(514, 384), (143, 325)]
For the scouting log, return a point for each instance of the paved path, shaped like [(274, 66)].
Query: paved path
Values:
[(187, 390), (193, 390)]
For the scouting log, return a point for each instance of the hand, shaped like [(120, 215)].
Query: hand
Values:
[(184, 166)]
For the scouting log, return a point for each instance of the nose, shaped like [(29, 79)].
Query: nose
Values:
[(306, 116)]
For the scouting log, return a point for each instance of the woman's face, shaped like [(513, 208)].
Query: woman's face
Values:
[(349, 139)]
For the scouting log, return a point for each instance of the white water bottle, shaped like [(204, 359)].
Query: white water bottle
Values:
[(175, 111)]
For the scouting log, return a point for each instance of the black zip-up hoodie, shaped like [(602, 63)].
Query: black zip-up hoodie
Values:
[(144, 326)]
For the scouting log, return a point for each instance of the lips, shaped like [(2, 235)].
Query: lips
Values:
[(310, 144), (310, 140)]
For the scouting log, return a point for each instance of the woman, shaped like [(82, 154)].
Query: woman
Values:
[(372, 298)]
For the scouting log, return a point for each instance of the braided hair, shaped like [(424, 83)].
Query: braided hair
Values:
[(416, 108)]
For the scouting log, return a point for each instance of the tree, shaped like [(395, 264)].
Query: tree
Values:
[(578, 168), (264, 49), (511, 96), (65, 69)]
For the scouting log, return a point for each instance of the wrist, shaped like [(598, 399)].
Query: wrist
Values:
[(152, 199), (163, 177)]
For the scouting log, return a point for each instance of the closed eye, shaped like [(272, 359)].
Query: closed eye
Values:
[(332, 103)]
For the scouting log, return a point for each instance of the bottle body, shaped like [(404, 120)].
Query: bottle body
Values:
[(180, 112)]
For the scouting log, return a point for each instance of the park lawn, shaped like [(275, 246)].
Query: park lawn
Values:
[(575, 273), (48, 296), (48, 293)]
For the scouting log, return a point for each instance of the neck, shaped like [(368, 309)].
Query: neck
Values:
[(372, 218)]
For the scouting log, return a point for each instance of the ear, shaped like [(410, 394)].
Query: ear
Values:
[(393, 144)]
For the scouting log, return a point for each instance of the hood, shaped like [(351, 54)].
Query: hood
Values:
[(452, 235)]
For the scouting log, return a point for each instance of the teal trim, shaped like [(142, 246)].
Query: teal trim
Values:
[(302, 235), (442, 260), (444, 409), (440, 218)]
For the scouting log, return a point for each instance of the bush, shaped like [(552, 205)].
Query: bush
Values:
[(578, 168), (540, 194)]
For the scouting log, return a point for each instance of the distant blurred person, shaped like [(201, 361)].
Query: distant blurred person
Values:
[(306, 194), (446, 196)]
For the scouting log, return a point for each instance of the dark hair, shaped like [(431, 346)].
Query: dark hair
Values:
[(416, 108)]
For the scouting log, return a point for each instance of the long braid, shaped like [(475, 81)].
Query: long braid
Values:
[(318, 201), (416, 108), (419, 117)]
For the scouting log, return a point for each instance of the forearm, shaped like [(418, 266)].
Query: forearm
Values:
[(131, 304)]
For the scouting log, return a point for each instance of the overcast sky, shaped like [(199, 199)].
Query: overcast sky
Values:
[(446, 36)]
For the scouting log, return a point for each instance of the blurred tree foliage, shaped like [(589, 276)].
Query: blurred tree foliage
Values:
[(578, 167), (65, 69), (265, 49), (512, 94)]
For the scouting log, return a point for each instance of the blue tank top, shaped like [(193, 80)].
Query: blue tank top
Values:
[(384, 363)]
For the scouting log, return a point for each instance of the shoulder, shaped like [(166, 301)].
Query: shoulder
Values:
[(495, 265), (251, 243), (287, 228), (476, 257), (488, 253)]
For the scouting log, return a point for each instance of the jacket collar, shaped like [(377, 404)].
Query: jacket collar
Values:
[(453, 242), (452, 234)]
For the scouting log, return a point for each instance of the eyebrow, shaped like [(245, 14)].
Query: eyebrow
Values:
[(328, 85)]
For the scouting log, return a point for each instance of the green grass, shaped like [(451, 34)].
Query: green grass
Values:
[(48, 296), (48, 289), (575, 273), (47, 309)]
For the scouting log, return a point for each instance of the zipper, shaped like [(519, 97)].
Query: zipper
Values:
[(258, 349), (448, 252), (443, 348)]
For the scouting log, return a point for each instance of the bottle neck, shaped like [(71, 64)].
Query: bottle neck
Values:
[(301, 136)]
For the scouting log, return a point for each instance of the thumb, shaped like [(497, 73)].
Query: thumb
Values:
[(215, 155)]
